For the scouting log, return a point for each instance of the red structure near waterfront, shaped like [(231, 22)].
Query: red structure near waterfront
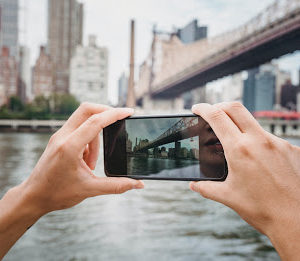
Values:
[(286, 115)]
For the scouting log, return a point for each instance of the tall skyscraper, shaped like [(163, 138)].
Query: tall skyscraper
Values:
[(9, 26), (65, 23), (192, 32), (265, 82), (89, 73), (259, 88), (249, 89)]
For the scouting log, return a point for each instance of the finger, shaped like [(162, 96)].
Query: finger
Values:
[(222, 125), (92, 157), (93, 125), (213, 190), (84, 111), (240, 116), (102, 186)]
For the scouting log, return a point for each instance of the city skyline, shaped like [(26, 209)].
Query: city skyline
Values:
[(190, 143), (166, 20)]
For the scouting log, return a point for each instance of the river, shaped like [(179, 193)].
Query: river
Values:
[(165, 221)]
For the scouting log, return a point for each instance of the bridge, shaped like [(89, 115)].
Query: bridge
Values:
[(183, 129), (172, 67)]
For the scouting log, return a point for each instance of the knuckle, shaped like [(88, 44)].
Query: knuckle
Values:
[(216, 114), (53, 139), (94, 119), (63, 148), (119, 189), (268, 143), (243, 146), (236, 105), (85, 106)]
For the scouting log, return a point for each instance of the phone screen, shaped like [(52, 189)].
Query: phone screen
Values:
[(171, 147)]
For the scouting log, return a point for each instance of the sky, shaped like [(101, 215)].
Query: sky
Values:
[(148, 128), (151, 129), (109, 20)]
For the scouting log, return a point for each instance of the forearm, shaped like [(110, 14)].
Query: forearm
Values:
[(17, 213)]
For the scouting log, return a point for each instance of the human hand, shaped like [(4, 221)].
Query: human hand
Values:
[(263, 182), (63, 176)]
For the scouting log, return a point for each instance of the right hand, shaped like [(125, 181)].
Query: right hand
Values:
[(263, 182)]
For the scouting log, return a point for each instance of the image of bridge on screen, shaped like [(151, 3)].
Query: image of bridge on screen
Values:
[(158, 144)]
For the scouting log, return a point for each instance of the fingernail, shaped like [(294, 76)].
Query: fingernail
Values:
[(138, 185)]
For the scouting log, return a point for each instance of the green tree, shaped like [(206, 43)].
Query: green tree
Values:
[(68, 104), (15, 104)]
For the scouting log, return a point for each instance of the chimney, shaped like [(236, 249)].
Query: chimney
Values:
[(130, 93)]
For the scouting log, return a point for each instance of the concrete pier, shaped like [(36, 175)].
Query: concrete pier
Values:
[(278, 127), (281, 128), (30, 125)]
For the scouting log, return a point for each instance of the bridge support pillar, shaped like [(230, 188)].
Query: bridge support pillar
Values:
[(289, 130), (278, 130)]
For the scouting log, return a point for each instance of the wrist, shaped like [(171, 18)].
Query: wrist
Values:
[(19, 208), (30, 201), (17, 213), (284, 235)]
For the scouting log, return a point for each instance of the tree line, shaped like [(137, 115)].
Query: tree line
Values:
[(56, 106)]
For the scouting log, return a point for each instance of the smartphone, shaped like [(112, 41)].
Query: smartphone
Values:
[(169, 147)]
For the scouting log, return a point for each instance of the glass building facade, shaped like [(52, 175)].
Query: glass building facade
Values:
[(259, 89), (9, 29), (192, 32)]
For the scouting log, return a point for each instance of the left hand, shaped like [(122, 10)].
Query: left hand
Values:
[(64, 176)]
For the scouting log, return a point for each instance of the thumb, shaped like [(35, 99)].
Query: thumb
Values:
[(110, 185), (214, 190)]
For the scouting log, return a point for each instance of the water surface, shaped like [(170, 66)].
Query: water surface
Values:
[(165, 221)]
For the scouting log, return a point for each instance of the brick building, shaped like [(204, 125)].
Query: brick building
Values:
[(42, 75), (8, 76)]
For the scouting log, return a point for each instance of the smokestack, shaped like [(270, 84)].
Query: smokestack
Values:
[(130, 93)]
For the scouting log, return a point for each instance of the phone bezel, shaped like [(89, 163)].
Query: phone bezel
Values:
[(159, 178)]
